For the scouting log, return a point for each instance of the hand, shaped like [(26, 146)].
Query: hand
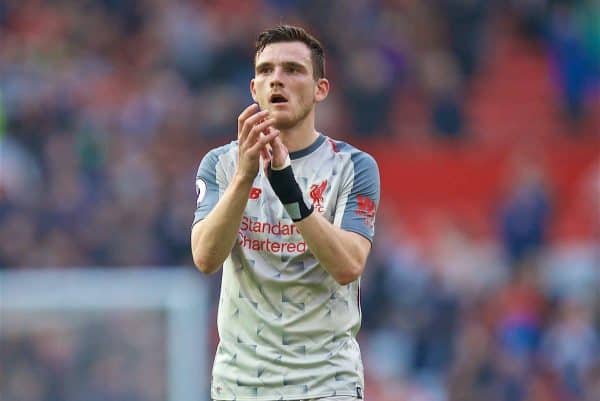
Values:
[(275, 153), (279, 152), (252, 140)]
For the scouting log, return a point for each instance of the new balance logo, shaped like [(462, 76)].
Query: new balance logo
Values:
[(255, 193)]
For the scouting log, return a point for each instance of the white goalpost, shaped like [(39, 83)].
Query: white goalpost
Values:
[(158, 316)]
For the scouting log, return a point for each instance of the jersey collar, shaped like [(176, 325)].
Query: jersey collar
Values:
[(311, 148)]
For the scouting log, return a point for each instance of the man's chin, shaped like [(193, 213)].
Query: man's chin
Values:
[(283, 123)]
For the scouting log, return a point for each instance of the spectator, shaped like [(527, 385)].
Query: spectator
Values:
[(105, 107), (525, 213)]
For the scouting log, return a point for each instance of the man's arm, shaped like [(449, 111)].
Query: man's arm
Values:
[(214, 236), (342, 253)]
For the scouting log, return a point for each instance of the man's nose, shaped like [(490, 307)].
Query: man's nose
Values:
[(276, 80)]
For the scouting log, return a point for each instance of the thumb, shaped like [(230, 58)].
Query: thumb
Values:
[(265, 153), (280, 153), (278, 145)]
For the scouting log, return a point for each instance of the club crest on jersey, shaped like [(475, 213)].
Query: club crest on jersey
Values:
[(316, 194), (365, 207)]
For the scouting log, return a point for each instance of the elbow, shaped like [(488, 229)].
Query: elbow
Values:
[(349, 275), (204, 260), (204, 264)]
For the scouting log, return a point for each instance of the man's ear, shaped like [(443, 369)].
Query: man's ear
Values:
[(253, 90), (321, 90)]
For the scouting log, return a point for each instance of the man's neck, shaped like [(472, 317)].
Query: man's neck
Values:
[(301, 136)]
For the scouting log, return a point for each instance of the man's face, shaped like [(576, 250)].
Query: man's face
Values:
[(284, 83)]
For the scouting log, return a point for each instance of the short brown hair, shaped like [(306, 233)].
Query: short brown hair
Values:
[(290, 33)]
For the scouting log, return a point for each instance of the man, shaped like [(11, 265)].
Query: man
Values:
[(289, 213)]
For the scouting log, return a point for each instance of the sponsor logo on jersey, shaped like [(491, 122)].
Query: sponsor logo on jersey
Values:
[(279, 238)]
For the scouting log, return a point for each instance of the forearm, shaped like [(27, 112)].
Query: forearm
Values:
[(343, 254), (214, 237)]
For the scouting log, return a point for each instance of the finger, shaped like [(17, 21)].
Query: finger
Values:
[(255, 132), (250, 122), (266, 164), (280, 153), (263, 141), (247, 112), (277, 145), (264, 152)]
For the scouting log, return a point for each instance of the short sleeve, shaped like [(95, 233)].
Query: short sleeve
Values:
[(361, 194), (207, 187)]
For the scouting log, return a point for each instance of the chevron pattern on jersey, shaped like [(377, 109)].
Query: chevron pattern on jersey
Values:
[(287, 328)]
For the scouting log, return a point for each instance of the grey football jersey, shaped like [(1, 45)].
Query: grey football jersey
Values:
[(287, 329)]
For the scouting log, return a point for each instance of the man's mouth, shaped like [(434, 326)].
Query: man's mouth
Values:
[(277, 98)]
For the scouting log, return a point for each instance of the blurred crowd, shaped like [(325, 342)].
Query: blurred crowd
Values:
[(461, 322), (83, 356), (107, 106)]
